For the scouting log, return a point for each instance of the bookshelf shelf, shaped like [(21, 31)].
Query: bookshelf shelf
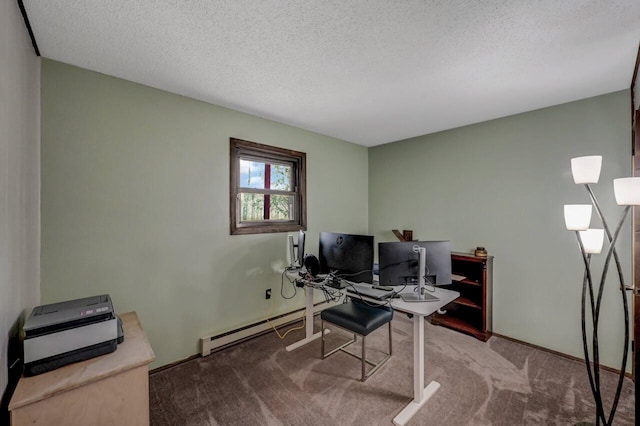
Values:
[(467, 302), (471, 312)]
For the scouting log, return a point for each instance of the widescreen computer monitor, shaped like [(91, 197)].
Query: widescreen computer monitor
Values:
[(399, 262), (296, 250), (347, 256)]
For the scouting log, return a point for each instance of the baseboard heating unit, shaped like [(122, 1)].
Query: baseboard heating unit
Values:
[(220, 341)]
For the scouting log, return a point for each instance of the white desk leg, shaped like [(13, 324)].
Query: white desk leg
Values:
[(420, 393), (309, 336)]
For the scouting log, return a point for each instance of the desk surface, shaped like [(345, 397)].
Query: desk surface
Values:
[(133, 352), (425, 308)]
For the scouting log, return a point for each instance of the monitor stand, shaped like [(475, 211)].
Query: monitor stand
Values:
[(414, 297), (420, 295)]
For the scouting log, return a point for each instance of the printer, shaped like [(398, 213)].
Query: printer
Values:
[(62, 333)]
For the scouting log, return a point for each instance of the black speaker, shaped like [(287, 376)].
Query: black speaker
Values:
[(311, 264)]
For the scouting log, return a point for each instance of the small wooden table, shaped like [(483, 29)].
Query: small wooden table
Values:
[(107, 390)]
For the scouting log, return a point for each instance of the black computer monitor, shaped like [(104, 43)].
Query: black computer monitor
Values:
[(399, 262), (347, 256)]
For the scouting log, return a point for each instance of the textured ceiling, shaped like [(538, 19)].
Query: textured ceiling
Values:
[(365, 71)]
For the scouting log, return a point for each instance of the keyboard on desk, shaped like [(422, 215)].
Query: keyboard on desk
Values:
[(368, 291)]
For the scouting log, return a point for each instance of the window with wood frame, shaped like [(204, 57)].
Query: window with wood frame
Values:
[(267, 188)]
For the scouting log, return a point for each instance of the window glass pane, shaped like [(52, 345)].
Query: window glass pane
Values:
[(251, 207), (281, 207), (280, 177), (255, 174), (251, 174)]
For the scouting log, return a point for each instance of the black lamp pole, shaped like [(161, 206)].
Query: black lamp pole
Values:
[(593, 371)]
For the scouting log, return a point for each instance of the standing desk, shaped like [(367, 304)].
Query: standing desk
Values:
[(308, 329), (419, 310)]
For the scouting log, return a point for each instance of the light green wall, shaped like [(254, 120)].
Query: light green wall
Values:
[(502, 184), (19, 181), (135, 204), (135, 185)]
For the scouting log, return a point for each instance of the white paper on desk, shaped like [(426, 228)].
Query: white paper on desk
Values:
[(457, 277)]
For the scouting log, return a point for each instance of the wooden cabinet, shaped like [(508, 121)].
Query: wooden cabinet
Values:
[(108, 390), (471, 312)]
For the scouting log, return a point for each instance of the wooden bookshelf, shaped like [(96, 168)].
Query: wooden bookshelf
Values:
[(471, 312)]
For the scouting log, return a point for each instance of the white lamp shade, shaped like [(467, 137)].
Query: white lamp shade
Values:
[(592, 240), (586, 169), (627, 191), (577, 217)]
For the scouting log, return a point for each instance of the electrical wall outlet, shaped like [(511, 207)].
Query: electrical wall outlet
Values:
[(267, 294)]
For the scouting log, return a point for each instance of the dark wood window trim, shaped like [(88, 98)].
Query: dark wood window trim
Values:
[(635, 144), (636, 266), (238, 149)]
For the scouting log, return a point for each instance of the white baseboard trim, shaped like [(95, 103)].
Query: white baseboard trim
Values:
[(220, 341)]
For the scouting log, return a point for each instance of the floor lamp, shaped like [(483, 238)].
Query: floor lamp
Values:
[(586, 170)]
